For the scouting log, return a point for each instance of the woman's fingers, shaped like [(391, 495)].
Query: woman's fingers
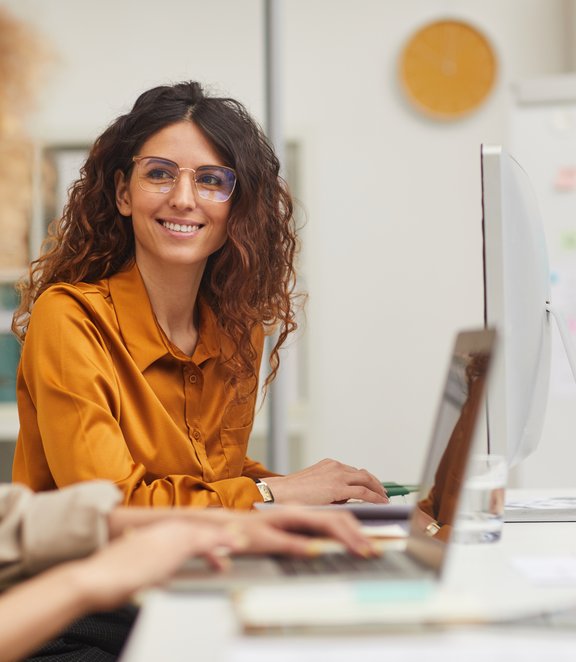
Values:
[(326, 482), (293, 530), (364, 477)]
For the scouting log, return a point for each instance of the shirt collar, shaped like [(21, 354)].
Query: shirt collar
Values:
[(209, 334), (142, 335)]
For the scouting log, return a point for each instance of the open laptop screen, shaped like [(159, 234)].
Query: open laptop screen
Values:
[(434, 514)]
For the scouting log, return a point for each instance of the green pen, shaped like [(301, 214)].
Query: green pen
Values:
[(395, 489)]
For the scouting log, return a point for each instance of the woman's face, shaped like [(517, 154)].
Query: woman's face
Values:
[(178, 227)]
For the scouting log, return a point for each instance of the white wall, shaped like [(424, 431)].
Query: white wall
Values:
[(392, 244), (393, 271), (111, 50)]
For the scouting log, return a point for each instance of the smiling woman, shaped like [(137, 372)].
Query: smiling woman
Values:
[(143, 321)]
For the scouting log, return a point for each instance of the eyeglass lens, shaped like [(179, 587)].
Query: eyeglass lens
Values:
[(160, 176)]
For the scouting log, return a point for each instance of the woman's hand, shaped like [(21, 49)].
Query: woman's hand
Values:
[(285, 530), (150, 555), (326, 482), (288, 530)]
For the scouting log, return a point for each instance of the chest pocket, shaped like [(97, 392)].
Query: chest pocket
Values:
[(236, 425), (240, 403)]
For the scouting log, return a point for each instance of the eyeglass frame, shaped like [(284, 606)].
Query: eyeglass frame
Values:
[(138, 159)]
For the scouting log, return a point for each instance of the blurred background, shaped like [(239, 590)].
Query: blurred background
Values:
[(389, 193)]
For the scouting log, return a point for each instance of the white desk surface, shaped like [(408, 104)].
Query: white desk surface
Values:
[(185, 627)]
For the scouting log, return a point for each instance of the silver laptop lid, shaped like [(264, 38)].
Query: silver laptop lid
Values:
[(434, 514)]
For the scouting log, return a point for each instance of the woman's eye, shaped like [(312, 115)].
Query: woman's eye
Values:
[(209, 180), (159, 174)]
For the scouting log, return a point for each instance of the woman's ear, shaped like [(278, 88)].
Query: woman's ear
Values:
[(123, 201)]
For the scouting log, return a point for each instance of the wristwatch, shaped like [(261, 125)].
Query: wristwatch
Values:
[(265, 491)]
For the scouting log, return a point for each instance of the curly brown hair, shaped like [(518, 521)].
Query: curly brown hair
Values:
[(250, 281)]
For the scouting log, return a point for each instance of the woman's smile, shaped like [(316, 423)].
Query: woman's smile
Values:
[(181, 227)]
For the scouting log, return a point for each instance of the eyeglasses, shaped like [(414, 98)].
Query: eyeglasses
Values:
[(157, 175)]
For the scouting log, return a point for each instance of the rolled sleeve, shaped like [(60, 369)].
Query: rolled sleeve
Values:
[(40, 530)]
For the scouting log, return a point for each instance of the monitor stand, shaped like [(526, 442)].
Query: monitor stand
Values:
[(557, 508), (540, 509)]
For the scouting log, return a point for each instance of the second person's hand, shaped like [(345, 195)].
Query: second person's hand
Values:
[(327, 481)]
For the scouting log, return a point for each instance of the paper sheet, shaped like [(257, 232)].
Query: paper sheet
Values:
[(550, 570)]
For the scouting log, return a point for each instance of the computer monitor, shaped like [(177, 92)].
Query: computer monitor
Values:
[(517, 304)]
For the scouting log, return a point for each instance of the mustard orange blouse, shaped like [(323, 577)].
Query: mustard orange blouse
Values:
[(103, 394)]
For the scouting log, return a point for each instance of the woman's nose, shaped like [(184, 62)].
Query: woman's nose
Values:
[(184, 193)]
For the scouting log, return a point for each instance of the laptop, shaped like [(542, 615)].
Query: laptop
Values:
[(415, 562)]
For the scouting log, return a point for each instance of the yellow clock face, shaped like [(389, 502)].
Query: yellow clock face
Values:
[(447, 69)]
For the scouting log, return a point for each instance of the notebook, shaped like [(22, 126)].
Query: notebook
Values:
[(414, 564)]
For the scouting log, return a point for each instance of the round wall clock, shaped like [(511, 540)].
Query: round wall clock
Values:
[(447, 69)]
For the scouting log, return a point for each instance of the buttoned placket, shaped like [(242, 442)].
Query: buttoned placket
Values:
[(193, 382)]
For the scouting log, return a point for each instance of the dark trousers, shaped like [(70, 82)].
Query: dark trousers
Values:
[(95, 638)]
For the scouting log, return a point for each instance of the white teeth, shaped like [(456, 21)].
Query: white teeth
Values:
[(175, 227)]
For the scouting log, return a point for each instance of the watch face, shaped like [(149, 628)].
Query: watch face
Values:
[(447, 69), (265, 491)]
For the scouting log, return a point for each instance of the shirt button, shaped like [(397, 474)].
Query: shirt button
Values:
[(196, 434), (192, 379)]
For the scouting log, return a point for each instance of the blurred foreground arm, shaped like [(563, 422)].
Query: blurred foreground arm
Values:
[(40, 530), (39, 608), (285, 530)]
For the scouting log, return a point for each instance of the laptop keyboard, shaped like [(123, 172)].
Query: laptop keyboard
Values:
[(327, 564)]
